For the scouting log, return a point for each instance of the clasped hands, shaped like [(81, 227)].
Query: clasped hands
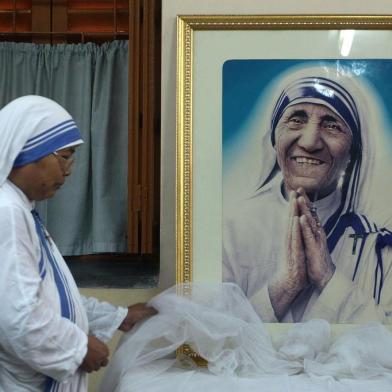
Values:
[(97, 355), (307, 262)]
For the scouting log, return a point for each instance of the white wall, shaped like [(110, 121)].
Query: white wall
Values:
[(172, 8)]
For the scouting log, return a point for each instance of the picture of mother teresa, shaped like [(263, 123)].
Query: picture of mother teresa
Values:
[(313, 240)]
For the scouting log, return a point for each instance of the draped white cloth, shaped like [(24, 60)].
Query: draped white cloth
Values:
[(219, 323)]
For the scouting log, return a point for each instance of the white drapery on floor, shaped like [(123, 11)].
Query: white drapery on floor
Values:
[(218, 322)]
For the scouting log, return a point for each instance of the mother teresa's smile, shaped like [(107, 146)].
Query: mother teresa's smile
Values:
[(312, 153), (307, 161)]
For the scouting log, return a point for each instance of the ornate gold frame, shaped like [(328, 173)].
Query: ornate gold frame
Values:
[(186, 26)]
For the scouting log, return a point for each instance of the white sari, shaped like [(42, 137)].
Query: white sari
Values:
[(44, 322)]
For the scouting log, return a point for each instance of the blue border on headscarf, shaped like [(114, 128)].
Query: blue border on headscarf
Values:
[(323, 89), (53, 143)]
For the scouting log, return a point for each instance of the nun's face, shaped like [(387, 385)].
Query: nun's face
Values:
[(41, 179), (313, 148)]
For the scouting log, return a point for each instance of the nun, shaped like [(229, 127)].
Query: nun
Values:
[(50, 336), (313, 240)]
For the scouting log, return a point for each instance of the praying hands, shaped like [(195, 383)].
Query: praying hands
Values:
[(307, 261)]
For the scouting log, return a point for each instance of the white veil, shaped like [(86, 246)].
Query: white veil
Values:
[(34, 118)]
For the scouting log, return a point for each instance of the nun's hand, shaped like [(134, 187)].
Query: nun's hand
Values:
[(97, 355), (319, 263), (292, 277), (136, 313)]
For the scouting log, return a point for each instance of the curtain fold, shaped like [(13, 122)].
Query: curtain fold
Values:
[(89, 213)]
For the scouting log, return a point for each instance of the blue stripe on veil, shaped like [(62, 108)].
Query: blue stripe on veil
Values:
[(66, 302)]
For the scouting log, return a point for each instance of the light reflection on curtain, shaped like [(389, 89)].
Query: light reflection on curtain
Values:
[(89, 214)]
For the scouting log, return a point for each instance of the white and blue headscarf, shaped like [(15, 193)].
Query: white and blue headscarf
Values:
[(327, 92), (32, 127)]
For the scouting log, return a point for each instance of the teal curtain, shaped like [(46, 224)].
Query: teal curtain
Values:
[(89, 213)]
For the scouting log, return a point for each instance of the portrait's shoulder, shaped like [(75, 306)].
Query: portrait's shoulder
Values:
[(374, 224), (378, 231), (262, 202)]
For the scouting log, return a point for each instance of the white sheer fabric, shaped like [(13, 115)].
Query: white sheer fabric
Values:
[(219, 323)]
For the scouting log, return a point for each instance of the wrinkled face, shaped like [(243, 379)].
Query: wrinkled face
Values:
[(313, 148), (41, 179)]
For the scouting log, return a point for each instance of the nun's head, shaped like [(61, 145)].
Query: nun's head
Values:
[(316, 134), (41, 179), (39, 140), (313, 148)]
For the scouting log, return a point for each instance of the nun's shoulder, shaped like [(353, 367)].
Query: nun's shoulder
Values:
[(13, 202)]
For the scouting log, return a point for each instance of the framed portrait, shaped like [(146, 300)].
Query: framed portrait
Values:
[(284, 139)]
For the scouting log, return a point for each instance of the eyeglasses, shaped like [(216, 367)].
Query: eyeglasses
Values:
[(65, 163)]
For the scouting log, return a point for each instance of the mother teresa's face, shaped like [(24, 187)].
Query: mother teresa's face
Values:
[(313, 148)]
